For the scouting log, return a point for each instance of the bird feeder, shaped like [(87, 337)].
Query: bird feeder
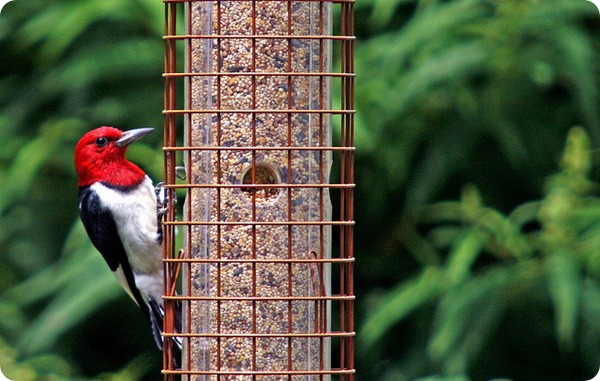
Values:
[(264, 128)]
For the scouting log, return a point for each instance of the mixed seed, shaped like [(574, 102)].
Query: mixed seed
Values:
[(252, 220)]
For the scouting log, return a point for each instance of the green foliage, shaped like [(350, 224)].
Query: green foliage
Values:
[(399, 302), (68, 66), (459, 74), (492, 261), (481, 93), (500, 281)]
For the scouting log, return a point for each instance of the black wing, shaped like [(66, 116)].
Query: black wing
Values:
[(102, 230)]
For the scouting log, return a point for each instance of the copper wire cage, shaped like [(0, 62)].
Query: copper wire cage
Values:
[(267, 144)]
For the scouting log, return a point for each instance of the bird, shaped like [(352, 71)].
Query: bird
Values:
[(121, 215)]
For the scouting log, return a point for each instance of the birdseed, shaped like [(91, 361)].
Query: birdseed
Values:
[(250, 279)]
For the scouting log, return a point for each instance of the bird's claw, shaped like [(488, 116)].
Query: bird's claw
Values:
[(162, 199), (163, 192)]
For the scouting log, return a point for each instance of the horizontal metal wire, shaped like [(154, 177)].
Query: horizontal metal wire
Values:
[(261, 298), (259, 260), (258, 36), (259, 148), (261, 335), (258, 111), (259, 74), (259, 223), (261, 186), (260, 372)]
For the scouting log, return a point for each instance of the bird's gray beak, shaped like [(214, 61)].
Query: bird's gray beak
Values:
[(131, 136)]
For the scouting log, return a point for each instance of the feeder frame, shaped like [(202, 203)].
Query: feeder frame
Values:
[(315, 265)]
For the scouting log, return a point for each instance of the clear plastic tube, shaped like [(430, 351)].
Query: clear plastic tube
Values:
[(260, 133)]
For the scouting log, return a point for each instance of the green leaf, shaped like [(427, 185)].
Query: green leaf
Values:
[(13, 317), (384, 10), (462, 257), (577, 154), (135, 370), (50, 364), (398, 303), (564, 285), (454, 62), (76, 301), (590, 249), (78, 285), (77, 252), (589, 334), (524, 214), (481, 327), (32, 157), (460, 307)]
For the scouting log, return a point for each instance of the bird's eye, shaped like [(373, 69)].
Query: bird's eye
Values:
[(101, 142)]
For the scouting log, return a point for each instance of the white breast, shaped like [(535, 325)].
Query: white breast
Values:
[(135, 216)]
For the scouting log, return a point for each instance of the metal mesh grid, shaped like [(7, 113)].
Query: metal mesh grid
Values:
[(260, 104)]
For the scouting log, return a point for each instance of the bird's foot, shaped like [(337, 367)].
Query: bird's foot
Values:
[(162, 199), (163, 192)]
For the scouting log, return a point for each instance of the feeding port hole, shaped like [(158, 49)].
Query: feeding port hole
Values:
[(263, 174)]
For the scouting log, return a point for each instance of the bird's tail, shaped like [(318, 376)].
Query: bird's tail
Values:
[(157, 314)]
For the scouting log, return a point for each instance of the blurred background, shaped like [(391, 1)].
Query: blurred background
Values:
[(477, 200)]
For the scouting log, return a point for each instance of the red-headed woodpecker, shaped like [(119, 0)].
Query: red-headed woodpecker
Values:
[(118, 207)]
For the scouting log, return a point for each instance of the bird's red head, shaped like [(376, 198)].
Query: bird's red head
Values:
[(100, 156)]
